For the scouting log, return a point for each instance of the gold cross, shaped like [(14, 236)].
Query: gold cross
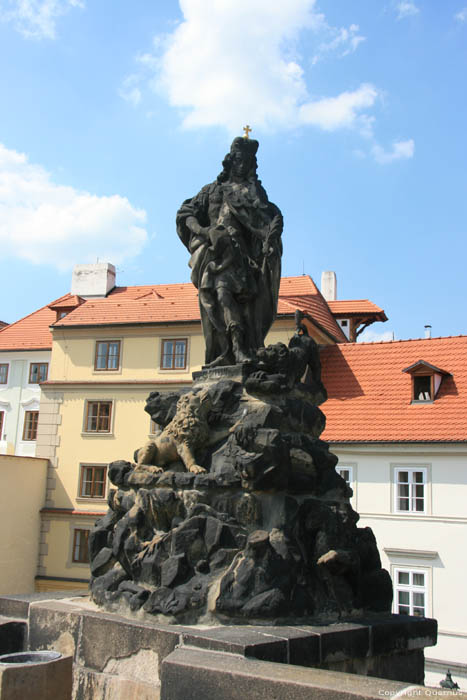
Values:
[(247, 130)]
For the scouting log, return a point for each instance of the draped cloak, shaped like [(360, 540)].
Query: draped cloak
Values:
[(256, 271)]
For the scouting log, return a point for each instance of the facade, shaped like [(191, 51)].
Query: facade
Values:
[(20, 511), (108, 354), (25, 348), (396, 420)]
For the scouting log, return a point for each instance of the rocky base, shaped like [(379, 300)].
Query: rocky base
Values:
[(263, 531)]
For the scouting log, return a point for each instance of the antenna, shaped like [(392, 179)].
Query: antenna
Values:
[(303, 268)]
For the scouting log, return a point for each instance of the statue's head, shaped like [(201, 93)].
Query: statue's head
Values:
[(240, 162)]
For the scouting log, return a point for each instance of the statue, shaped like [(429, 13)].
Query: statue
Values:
[(235, 511), (233, 233)]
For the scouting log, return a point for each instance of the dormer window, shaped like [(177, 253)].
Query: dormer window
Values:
[(422, 388), (426, 380)]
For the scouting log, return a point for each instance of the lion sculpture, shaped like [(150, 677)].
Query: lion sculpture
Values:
[(187, 431)]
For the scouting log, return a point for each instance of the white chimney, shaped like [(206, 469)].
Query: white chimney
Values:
[(90, 281), (427, 331), (329, 285)]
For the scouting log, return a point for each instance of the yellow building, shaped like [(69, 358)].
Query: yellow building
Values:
[(110, 349)]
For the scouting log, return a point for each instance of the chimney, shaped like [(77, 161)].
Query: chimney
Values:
[(329, 285), (93, 281), (428, 331)]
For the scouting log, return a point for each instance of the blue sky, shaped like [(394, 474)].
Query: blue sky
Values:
[(114, 112)]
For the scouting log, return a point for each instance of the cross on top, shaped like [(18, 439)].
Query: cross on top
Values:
[(247, 130)]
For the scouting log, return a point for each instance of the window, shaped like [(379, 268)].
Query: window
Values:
[(410, 490), (346, 474), (80, 546), (2, 418), (422, 388), (38, 372), (107, 355), (98, 416), (410, 592), (154, 428), (31, 419), (173, 354), (3, 374), (92, 481)]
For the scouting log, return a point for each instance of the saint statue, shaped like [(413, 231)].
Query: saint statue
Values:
[(233, 233)]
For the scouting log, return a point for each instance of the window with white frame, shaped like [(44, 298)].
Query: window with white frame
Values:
[(410, 592), (4, 373), (345, 473), (410, 489)]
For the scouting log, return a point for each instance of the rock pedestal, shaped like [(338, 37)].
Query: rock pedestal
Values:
[(261, 530)]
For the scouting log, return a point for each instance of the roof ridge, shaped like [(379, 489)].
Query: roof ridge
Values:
[(407, 340)]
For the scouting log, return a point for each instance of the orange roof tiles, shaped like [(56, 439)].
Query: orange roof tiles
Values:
[(69, 301), (31, 332), (152, 304), (370, 395), (349, 307), (179, 303)]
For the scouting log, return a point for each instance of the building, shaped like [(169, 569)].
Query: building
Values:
[(109, 352), (21, 500), (396, 418), (25, 348)]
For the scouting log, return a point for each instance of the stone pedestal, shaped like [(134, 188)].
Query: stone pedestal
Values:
[(107, 647)]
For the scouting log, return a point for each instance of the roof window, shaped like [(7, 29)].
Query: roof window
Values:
[(426, 381)]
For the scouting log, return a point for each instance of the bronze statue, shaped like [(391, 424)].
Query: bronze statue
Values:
[(233, 233)]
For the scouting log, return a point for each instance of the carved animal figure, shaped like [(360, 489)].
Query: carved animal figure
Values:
[(187, 431), (282, 367)]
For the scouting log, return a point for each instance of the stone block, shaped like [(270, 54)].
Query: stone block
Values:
[(91, 684), (45, 428), (41, 680), (399, 632), (342, 641), (45, 450), (255, 642), (17, 605), (54, 625), (190, 674), (108, 638)]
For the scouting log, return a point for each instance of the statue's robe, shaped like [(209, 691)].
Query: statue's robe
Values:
[(258, 225)]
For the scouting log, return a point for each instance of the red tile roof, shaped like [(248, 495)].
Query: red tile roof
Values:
[(370, 395), (31, 332), (151, 304), (172, 303), (360, 307)]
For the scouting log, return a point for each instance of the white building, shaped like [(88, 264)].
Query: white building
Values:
[(25, 349), (396, 418)]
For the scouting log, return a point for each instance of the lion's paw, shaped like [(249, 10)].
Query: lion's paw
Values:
[(196, 469)]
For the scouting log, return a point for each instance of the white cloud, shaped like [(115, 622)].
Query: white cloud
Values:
[(130, 90), (36, 19), (462, 15), (371, 336), (230, 62), (400, 150), (336, 112), (344, 40), (46, 223), (406, 8)]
